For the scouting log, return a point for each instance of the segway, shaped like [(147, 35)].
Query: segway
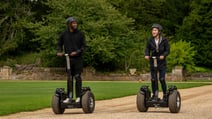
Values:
[(144, 100), (87, 100)]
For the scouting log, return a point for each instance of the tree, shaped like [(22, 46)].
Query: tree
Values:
[(168, 13), (145, 12), (109, 34), (14, 14), (197, 29)]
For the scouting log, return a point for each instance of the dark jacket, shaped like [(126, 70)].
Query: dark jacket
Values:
[(72, 41), (163, 50)]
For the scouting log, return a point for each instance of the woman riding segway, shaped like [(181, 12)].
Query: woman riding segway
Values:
[(158, 46)]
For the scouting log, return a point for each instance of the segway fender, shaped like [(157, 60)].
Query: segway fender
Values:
[(144, 88), (85, 89), (171, 89), (145, 91), (142, 92), (60, 92)]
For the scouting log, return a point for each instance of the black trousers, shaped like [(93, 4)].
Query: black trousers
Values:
[(154, 79), (75, 73)]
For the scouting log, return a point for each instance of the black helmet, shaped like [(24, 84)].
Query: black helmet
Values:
[(158, 26), (71, 19)]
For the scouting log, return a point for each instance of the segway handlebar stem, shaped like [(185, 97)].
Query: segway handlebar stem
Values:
[(155, 61), (68, 61)]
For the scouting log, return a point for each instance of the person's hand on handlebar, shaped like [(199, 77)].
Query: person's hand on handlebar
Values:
[(73, 53), (146, 57), (59, 54), (162, 57)]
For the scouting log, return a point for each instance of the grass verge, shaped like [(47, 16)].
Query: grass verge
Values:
[(18, 96)]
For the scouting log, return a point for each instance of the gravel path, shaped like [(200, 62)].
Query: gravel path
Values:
[(196, 104)]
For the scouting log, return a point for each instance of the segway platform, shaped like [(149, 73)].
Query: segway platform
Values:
[(144, 100), (87, 101), (156, 103)]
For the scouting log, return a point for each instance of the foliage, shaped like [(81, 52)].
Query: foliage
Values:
[(49, 59), (197, 29), (29, 58), (108, 32), (181, 54), (202, 69), (14, 15), (116, 30), (135, 52), (169, 13)]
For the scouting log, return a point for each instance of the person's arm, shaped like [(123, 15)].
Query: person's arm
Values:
[(83, 44), (167, 48), (60, 46), (147, 51)]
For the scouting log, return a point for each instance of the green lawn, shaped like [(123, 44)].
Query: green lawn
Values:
[(17, 96)]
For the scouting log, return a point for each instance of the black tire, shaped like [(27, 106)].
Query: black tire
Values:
[(174, 102), (88, 102), (56, 106), (141, 106)]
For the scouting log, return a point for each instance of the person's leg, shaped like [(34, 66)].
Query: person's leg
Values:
[(154, 82), (78, 85), (162, 73)]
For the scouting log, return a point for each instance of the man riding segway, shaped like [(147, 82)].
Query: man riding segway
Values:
[(159, 48), (73, 41)]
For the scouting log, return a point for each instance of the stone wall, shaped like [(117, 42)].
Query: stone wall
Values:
[(199, 76), (31, 72), (5, 72), (40, 73)]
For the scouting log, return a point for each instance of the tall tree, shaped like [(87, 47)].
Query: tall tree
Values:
[(169, 13), (197, 29), (13, 15)]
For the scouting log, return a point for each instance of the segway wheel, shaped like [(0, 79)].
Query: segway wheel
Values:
[(88, 102), (56, 107), (174, 102), (141, 106)]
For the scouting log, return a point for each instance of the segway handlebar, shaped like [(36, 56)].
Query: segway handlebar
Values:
[(68, 61), (155, 60)]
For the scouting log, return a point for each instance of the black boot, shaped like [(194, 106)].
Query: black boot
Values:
[(165, 97), (155, 96)]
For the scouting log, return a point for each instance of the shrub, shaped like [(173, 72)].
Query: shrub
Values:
[(182, 54)]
